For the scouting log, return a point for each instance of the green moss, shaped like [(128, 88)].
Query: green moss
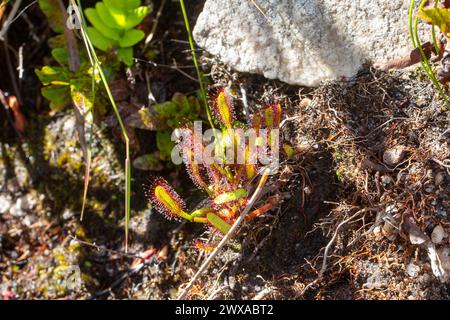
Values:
[(340, 174)]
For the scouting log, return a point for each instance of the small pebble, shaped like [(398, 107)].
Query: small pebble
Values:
[(67, 214), (389, 231), (378, 233), (412, 270), (430, 174), (394, 156), (386, 180), (16, 210), (438, 234), (305, 102), (5, 203), (439, 178)]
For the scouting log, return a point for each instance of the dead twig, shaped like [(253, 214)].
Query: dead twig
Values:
[(258, 8), (445, 164), (10, 19), (155, 25)]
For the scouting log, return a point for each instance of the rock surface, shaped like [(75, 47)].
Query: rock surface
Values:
[(303, 42)]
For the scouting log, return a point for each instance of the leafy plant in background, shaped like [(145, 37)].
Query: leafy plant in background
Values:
[(54, 10), (113, 23), (227, 185), (163, 118), (438, 14), (61, 87), (113, 26)]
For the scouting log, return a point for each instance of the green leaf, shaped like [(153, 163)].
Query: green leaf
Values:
[(166, 109), (106, 17), (81, 94), (217, 222), (182, 102), (164, 144), (131, 37), (148, 162), (55, 18), (61, 56), (126, 55), (146, 119), (98, 40), (438, 16), (136, 16), (57, 41), (117, 13), (130, 4), (59, 96), (53, 75), (230, 196), (119, 4), (290, 152), (126, 5), (98, 24)]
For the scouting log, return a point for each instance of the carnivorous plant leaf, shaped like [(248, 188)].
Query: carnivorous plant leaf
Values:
[(230, 196)]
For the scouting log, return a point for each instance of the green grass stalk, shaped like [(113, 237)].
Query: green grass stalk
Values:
[(97, 68), (194, 58)]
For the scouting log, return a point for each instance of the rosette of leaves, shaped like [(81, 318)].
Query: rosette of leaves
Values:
[(61, 87), (113, 26)]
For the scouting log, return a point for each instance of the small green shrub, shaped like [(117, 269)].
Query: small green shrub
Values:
[(113, 26), (163, 118), (61, 87)]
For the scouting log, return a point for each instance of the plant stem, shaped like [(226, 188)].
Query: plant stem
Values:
[(433, 33), (96, 64), (414, 31)]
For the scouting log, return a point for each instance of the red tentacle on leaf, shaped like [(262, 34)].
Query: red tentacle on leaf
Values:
[(222, 106), (197, 171), (165, 199), (272, 115), (199, 245)]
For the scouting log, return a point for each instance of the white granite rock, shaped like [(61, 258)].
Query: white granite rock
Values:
[(303, 42)]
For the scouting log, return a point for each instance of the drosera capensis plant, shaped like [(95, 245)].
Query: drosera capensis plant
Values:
[(113, 26), (227, 183)]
